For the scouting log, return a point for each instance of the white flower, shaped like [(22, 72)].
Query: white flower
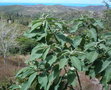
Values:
[(72, 68), (66, 35)]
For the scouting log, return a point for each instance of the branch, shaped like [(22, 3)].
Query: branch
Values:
[(79, 80)]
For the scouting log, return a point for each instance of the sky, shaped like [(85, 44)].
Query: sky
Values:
[(54, 1)]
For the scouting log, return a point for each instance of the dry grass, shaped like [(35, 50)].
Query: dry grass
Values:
[(8, 70)]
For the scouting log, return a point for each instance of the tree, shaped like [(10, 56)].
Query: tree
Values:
[(8, 35), (107, 3), (25, 44), (60, 55), (107, 15)]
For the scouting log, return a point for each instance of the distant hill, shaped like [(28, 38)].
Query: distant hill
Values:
[(59, 11), (48, 8), (92, 8), (36, 9)]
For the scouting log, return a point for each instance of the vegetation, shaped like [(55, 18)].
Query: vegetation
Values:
[(7, 39), (61, 53), (69, 41), (25, 45), (24, 14)]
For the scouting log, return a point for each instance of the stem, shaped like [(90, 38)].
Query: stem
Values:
[(79, 80), (4, 59), (71, 87)]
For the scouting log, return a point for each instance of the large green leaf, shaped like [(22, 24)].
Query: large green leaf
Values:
[(43, 80), (53, 77), (57, 86), (56, 71), (61, 38), (98, 23), (38, 51), (92, 56), (63, 62), (29, 35), (45, 53), (28, 84), (41, 36), (107, 77), (14, 87), (76, 62), (50, 79), (71, 77), (76, 27), (35, 26), (22, 70), (89, 45), (93, 34), (51, 59), (109, 52), (59, 25), (26, 73), (105, 64), (77, 41)]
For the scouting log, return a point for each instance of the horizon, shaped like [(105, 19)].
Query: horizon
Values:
[(56, 1), (65, 4)]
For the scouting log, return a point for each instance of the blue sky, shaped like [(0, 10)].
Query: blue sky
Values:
[(55, 1)]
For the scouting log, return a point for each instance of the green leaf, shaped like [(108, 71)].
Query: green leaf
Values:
[(98, 23), (102, 46), (109, 52), (71, 77), (105, 64), (57, 86), (89, 45), (76, 62), (63, 62), (59, 25), (76, 27), (56, 71), (92, 56), (107, 77), (22, 70), (61, 38), (50, 79), (38, 51), (41, 36), (29, 35), (28, 84), (92, 73), (14, 87), (45, 53), (37, 55), (51, 59), (25, 73), (43, 80), (35, 26), (93, 34), (77, 41)]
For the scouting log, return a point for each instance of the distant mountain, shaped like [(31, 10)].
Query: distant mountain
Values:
[(33, 9), (92, 8), (60, 11)]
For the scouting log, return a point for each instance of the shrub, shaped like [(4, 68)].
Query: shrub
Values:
[(58, 56), (25, 44)]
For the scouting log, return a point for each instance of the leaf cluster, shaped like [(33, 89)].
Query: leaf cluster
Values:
[(60, 54)]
